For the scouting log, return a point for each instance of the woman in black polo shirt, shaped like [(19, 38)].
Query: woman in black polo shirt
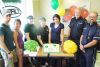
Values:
[(43, 31), (42, 35)]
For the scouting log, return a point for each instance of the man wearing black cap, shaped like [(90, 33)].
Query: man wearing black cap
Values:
[(30, 29)]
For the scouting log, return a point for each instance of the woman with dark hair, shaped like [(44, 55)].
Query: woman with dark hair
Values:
[(18, 42), (56, 32), (56, 35)]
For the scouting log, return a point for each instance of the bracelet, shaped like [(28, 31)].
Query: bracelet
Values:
[(9, 52)]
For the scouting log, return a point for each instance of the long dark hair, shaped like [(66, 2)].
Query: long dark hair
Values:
[(56, 15), (18, 20)]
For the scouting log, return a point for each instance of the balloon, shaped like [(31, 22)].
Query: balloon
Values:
[(54, 4), (67, 17), (70, 47), (72, 10), (61, 11), (84, 13)]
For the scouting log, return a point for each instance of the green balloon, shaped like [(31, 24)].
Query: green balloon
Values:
[(54, 4)]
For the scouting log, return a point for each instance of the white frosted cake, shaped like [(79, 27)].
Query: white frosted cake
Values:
[(51, 48)]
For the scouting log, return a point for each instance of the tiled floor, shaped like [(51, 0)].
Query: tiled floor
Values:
[(97, 64)]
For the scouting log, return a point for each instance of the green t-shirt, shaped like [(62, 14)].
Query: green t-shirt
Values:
[(31, 29), (8, 36)]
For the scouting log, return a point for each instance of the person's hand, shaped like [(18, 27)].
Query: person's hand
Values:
[(82, 48), (62, 44), (10, 55), (19, 51)]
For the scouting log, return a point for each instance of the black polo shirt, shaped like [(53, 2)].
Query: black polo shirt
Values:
[(31, 29), (76, 26), (43, 32), (8, 36)]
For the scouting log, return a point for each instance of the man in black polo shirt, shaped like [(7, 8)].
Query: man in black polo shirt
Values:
[(42, 36), (43, 31), (30, 29), (75, 30), (6, 40)]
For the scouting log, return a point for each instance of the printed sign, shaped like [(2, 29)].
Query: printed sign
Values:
[(15, 11)]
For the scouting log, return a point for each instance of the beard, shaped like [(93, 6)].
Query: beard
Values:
[(91, 22)]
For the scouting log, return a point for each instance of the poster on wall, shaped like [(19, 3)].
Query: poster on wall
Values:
[(14, 1), (15, 11)]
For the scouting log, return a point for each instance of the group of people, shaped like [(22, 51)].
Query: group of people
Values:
[(84, 32), (11, 42)]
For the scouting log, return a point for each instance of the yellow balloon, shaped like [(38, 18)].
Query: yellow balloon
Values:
[(61, 11), (70, 46)]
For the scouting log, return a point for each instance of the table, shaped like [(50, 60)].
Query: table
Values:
[(40, 53), (60, 54)]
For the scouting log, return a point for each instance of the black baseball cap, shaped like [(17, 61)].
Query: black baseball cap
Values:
[(30, 17)]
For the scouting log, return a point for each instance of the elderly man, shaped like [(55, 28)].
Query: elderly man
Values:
[(74, 33), (89, 40)]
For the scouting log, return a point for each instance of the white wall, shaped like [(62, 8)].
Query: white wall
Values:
[(48, 12), (78, 3), (36, 8), (26, 7), (95, 5)]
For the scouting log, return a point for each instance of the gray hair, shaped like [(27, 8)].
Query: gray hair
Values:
[(96, 13), (42, 19)]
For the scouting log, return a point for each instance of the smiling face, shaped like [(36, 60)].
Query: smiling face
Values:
[(17, 25), (56, 20)]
